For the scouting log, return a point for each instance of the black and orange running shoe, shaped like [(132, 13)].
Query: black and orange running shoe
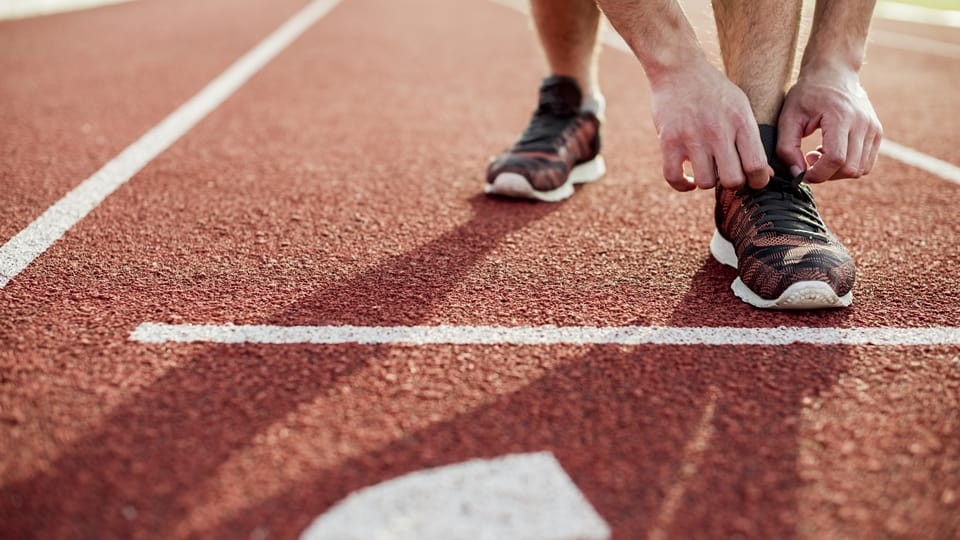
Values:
[(776, 239), (559, 148)]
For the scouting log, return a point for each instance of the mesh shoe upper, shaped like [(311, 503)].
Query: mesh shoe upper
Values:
[(559, 137), (779, 236)]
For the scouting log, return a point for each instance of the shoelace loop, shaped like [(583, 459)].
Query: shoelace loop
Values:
[(787, 206)]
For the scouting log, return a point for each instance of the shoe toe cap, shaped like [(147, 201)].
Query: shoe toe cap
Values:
[(542, 173), (770, 277)]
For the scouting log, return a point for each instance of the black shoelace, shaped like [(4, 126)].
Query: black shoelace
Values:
[(788, 206)]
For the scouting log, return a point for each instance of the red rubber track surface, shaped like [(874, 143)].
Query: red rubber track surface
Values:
[(342, 185), (77, 88)]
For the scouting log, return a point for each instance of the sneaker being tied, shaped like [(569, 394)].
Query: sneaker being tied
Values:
[(785, 255)]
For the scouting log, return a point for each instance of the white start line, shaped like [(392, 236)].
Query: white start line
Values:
[(149, 332), (520, 496)]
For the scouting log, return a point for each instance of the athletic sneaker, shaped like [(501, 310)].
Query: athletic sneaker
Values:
[(559, 148), (775, 237)]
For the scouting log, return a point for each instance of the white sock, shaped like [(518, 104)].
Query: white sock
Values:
[(596, 104)]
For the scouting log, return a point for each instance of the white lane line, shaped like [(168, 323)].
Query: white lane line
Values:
[(907, 155), (540, 335), (917, 14), (36, 238), (884, 38), (19, 9), (898, 40), (520, 496), (922, 161)]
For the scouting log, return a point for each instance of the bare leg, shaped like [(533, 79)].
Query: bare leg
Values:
[(568, 31), (758, 39)]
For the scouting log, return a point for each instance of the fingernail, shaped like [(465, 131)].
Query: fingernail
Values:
[(795, 170)]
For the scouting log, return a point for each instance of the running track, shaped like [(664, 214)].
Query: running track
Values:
[(340, 186)]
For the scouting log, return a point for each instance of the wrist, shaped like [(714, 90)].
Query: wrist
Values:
[(833, 62), (673, 65)]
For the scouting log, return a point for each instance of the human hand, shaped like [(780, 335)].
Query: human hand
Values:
[(833, 101), (703, 118)]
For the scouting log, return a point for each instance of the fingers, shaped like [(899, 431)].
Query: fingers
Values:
[(790, 133), (834, 154), (871, 146), (870, 157), (753, 160), (673, 170), (729, 165), (704, 171), (729, 168), (863, 145), (675, 153), (855, 149)]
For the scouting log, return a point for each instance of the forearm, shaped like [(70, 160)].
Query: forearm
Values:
[(839, 35), (658, 33)]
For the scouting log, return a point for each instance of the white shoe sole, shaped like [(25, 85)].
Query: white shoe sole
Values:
[(516, 185), (800, 295)]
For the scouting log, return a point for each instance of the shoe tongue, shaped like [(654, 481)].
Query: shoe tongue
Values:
[(560, 95)]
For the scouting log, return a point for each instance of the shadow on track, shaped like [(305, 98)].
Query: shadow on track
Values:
[(665, 441), (750, 474), (130, 479), (624, 425)]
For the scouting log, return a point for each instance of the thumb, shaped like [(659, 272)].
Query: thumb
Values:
[(790, 131)]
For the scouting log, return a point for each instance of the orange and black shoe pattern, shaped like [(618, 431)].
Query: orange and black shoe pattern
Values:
[(559, 148), (785, 255)]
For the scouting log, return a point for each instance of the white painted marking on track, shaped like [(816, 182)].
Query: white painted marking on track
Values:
[(521, 497), (885, 38), (907, 155), (540, 335), (917, 14), (19, 9), (898, 40), (930, 164), (30, 243)]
